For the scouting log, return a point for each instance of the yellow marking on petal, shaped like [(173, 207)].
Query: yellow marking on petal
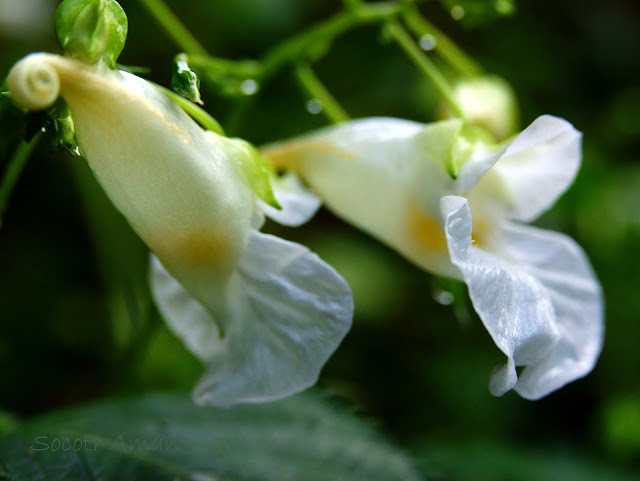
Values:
[(205, 249), (285, 156), (480, 232), (427, 231), (430, 234)]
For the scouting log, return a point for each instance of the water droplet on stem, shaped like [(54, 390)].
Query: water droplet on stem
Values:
[(314, 106), (427, 42), (249, 87)]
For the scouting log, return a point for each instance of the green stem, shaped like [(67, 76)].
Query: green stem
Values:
[(312, 84), (195, 112), (298, 48), (309, 44), (352, 4), (444, 46), (427, 67), (221, 66), (180, 34), (303, 47), (14, 169)]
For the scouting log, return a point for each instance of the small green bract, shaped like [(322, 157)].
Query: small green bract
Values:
[(185, 82)]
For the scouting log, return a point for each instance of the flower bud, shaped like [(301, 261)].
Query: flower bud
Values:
[(490, 104), (91, 30)]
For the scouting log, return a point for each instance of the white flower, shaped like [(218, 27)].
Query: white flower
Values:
[(264, 313), (452, 206)]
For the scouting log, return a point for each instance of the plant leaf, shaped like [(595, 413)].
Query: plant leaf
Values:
[(486, 460), (160, 437)]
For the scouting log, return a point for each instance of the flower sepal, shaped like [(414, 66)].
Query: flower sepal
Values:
[(449, 143), (185, 82), (256, 171), (56, 123)]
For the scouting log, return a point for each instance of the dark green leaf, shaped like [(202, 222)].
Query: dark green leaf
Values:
[(490, 461), (167, 437), (7, 422)]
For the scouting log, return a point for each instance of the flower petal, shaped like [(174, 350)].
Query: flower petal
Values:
[(539, 166), (185, 316), (475, 168), (513, 305), (382, 175), (181, 188), (366, 154), (363, 170), (287, 311), (563, 269), (298, 203)]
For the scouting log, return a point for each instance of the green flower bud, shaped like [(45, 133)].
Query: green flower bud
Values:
[(90, 30), (490, 104)]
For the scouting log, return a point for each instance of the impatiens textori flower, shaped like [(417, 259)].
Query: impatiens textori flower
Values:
[(264, 313), (455, 206)]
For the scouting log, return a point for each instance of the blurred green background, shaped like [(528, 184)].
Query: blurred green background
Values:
[(76, 322)]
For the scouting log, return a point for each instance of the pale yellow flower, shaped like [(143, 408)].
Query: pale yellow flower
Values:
[(264, 313), (455, 206)]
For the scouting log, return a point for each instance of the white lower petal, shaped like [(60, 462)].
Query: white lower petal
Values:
[(563, 269), (539, 300), (185, 316), (512, 303), (503, 378), (298, 203), (287, 312)]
